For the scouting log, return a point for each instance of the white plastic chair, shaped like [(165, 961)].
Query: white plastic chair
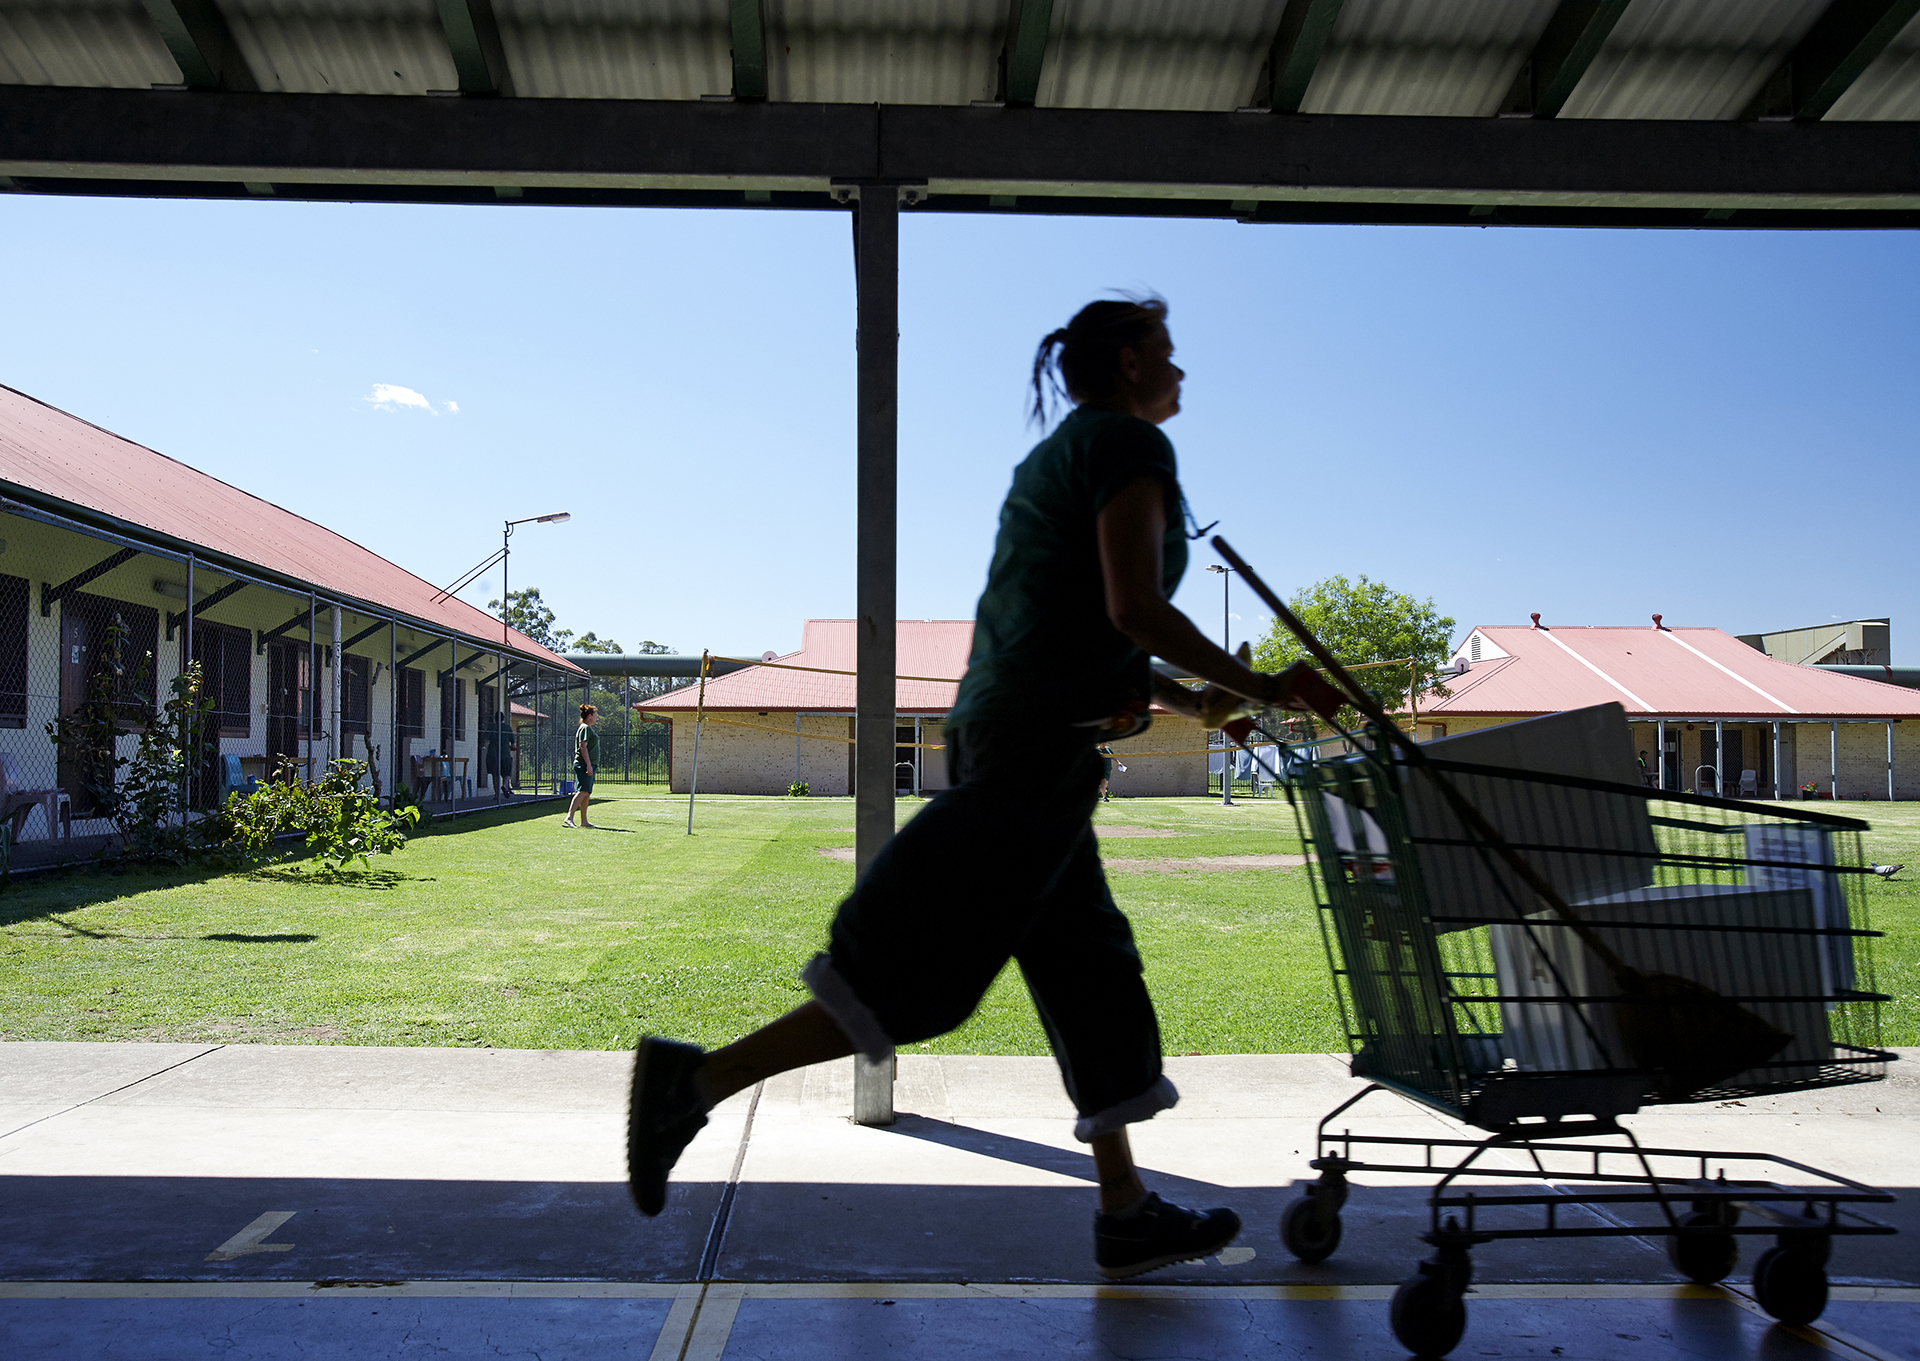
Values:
[(1705, 780), (1749, 784)]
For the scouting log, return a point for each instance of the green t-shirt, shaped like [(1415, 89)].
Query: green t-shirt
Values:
[(1043, 647), (591, 736)]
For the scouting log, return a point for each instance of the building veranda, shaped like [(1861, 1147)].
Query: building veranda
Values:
[(312, 647)]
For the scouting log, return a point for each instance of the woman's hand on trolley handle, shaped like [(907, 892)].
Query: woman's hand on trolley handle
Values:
[(1131, 529)]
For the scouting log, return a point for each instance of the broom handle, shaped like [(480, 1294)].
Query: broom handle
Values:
[(1463, 810)]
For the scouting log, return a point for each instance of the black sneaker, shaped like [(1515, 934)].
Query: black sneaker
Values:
[(1159, 1235), (663, 1115)]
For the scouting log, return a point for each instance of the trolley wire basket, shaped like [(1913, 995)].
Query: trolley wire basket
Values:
[(1537, 950), (1556, 954)]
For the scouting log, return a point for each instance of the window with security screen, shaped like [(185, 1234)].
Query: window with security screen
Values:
[(412, 682), (13, 652), (356, 689)]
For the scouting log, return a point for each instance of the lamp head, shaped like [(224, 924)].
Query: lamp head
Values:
[(559, 519)]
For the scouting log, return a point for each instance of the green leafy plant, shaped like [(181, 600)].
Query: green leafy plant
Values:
[(341, 819), (405, 798), (798, 790)]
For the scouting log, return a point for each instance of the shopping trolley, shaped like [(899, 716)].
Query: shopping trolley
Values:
[(1538, 955)]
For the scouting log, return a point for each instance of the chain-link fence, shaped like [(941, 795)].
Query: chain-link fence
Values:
[(100, 632)]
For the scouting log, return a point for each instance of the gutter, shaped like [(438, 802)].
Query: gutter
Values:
[(1908, 676)]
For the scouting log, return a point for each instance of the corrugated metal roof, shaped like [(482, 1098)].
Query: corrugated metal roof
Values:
[(1675, 672), (104, 43), (1889, 89), (1664, 59), (924, 647), (1689, 58), (60, 456), (1415, 57), (366, 47)]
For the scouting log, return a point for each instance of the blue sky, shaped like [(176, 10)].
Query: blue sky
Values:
[(1719, 426)]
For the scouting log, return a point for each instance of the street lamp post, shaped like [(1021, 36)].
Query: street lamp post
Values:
[(506, 599), (506, 603), (1226, 631)]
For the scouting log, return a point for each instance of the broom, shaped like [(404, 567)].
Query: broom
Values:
[(1682, 1030)]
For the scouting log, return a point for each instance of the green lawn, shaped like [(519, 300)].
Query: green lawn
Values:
[(506, 930)]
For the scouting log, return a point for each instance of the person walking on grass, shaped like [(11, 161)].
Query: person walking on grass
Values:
[(1004, 864), (586, 755)]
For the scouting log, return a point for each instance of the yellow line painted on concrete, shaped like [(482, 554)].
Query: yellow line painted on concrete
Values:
[(266, 1290), (248, 1239), (672, 1341), (713, 1325)]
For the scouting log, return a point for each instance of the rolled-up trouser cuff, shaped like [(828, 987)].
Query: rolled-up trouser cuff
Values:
[(855, 1019), (1159, 1097)]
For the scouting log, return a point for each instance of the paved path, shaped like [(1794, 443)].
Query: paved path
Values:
[(158, 1200)]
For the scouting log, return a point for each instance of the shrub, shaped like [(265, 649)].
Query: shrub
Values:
[(798, 790), (342, 821)]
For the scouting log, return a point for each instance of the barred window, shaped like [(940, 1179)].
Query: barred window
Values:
[(413, 701), (356, 689), (13, 652)]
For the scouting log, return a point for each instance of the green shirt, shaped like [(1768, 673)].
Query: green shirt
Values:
[(1043, 647), (591, 737)]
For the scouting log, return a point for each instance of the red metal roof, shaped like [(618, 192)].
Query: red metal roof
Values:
[(1675, 672), (48, 451), (926, 647)]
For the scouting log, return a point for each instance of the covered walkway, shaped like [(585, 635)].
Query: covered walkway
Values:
[(328, 1201)]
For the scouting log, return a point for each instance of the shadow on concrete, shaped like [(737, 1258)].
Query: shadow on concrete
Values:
[(123, 1228)]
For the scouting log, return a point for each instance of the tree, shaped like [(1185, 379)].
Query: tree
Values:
[(530, 615), (593, 642), (1367, 621)]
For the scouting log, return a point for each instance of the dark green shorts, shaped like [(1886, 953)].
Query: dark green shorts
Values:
[(582, 781)]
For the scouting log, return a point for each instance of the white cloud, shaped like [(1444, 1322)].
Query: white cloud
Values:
[(453, 408), (392, 397)]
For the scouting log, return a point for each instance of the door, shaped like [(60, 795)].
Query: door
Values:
[(81, 637)]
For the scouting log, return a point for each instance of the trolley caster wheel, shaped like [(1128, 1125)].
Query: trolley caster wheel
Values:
[(1427, 1315), (1791, 1284), (1305, 1236), (1702, 1251)]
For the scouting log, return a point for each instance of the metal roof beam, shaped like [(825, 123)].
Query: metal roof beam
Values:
[(53, 595), (303, 619), (1567, 47), (1302, 36), (1307, 167), (366, 633), (749, 20), (232, 587), (473, 37), (1843, 42), (202, 45), (434, 646), (1028, 22)]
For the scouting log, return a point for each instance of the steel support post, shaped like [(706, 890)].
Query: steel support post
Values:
[(186, 642), (876, 255), (1660, 740), (1833, 760), (333, 690), (1889, 763), (1778, 787), (1720, 759)]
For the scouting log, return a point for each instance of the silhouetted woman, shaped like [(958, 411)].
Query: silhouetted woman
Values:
[(1004, 865)]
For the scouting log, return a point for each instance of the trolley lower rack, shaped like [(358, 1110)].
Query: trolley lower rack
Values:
[(1702, 1212)]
